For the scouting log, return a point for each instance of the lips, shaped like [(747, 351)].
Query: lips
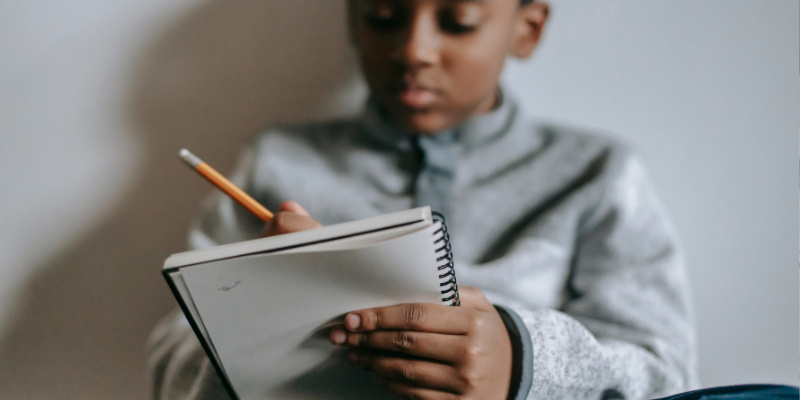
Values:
[(415, 95), (417, 98)]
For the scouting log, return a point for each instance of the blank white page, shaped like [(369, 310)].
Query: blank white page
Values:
[(268, 314)]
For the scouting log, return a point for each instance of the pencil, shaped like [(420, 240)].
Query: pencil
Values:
[(216, 179)]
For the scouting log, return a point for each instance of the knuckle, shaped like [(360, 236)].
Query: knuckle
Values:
[(474, 377), (468, 349), (279, 221), (472, 350), (403, 340), (363, 339), (477, 321), (354, 339), (413, 314), (469, 378), (407, 373), (371, 320)]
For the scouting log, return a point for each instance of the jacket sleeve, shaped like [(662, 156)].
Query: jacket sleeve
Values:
[(179, 369), (626, 331)]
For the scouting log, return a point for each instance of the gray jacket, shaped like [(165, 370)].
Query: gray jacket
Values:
[(559, 228)]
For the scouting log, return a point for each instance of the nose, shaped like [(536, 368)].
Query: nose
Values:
[(420, 45)]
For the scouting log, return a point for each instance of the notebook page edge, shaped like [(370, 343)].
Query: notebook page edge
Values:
[(330, 232), (180, 290), (183, 290), (357, 242)]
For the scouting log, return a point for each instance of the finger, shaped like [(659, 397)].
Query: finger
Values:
[(412, 317), (420, 373), (293, 206), (413, 392), (337, 335), (449, 349), (288, 222)]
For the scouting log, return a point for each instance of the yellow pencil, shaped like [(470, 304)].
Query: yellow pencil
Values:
[(216, 179)]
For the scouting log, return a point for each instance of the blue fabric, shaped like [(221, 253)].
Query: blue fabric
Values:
[(740, 392)]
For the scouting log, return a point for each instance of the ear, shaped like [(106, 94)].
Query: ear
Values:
[(528, 26)]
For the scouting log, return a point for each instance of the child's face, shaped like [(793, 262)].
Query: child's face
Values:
[(434, 63)]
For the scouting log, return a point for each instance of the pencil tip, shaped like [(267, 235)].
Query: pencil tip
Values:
[(189, 158)]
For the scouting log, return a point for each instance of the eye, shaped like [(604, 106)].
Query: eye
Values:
[(456, 27), (382, 15), (460, 19)]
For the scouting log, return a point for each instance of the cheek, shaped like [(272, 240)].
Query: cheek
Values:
[(473, 68), (370, 54), (375, 56)]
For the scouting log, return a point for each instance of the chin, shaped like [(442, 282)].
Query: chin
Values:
[(423, 123)]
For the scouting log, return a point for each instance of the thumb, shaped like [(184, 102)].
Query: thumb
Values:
[(293, 206)]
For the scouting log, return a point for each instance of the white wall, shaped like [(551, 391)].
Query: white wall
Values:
[(94, 95), (96, 99), (707, 91)]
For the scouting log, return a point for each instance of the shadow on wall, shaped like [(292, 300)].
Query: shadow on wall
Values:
[(209, 82)]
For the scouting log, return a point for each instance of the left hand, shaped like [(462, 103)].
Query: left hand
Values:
[(431, 351)]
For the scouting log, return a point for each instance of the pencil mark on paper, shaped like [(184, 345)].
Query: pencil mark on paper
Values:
[(226, 288)]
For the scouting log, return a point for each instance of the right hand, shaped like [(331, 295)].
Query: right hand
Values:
[(291, 217)]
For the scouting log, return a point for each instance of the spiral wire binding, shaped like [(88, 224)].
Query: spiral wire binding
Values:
[(448, 269)]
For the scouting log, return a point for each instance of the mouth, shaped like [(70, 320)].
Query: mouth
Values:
[(416, 95)]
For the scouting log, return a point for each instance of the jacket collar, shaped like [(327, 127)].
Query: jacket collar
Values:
[(474, 133)]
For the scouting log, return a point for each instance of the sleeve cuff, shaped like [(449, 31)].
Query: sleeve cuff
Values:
[(522, 353)]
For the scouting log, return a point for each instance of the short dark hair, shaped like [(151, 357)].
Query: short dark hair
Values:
[(524, 2)]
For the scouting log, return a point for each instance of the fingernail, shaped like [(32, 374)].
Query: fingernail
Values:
[(339, 337), (352, 321), (352, 357)]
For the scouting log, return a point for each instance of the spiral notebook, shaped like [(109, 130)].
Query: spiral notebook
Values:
[(262, 308)]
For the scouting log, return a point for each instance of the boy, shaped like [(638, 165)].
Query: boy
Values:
[(579, 289)]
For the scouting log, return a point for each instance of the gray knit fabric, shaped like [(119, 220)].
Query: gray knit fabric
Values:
[(560, 226)]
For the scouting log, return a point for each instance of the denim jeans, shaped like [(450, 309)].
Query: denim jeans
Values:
[(740, 392)]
